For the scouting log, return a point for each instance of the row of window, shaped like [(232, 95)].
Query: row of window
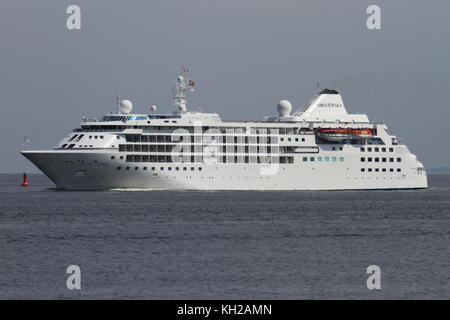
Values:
[(323, 159), (201, 148), (192, 129), (124, 118), (378, 159), (211, 159), (162, 168), (292, 139), (77, 138), (380, 169), (376, 149), (202, 139)]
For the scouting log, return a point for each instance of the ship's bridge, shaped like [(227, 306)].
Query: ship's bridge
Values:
[(190, 116), (121, 117)]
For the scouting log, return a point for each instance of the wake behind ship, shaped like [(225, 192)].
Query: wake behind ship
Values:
[(318, 147)]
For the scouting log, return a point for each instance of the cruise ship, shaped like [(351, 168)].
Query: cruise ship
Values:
[(320, 146)]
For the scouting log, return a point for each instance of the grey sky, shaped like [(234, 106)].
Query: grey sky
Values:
[(257, 51)]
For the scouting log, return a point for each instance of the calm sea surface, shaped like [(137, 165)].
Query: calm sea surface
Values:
[(223, 245)]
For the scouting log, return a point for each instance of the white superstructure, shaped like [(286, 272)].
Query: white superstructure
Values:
[(319, 147)]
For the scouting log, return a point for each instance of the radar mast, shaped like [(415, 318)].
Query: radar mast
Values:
[(180, 90)]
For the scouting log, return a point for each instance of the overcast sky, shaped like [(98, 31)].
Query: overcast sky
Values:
[(244, 55)]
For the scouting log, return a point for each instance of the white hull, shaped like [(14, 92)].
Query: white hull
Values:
[(100, 173)]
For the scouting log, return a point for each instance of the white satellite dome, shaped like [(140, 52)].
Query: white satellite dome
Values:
[(284, 108), (153, 108), (125, 106)]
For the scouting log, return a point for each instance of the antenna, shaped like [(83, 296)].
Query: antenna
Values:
[(180, 90), (118, 100), (25, 141)]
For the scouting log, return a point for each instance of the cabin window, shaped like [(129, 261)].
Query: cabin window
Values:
[(305, 159)]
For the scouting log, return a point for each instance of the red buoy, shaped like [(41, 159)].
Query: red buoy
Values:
[(25, 182)]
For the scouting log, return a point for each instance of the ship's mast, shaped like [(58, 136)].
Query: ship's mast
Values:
[(180, 90)]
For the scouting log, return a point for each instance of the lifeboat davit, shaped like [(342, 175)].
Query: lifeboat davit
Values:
[(361, 133), (334, 134)]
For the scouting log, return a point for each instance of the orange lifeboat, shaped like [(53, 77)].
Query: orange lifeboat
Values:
[(361, 133), (334, 134)]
